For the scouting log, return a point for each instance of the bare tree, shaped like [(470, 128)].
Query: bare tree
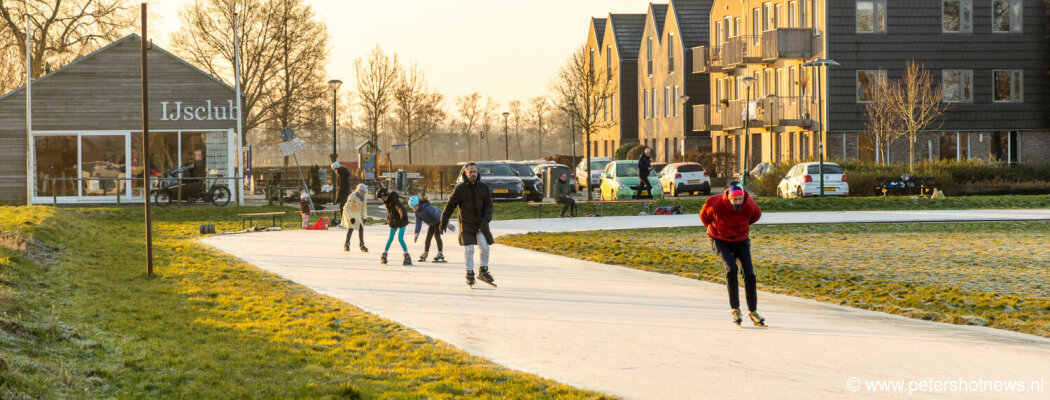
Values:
[(884, 125), (917, 103), (300, 94), (62, 31), (585, 92), (470, 113), (515, 109), (417, 109), (538, 110), (376, 79), (205, 39), (488, 126)]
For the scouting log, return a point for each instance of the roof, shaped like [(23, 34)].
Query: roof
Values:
[(598, 26), (107, 47), (659, 13), (693, 18), (627, 34)]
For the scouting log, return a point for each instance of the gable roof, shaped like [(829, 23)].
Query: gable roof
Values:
[(598, 29), (132, 36), (659, 13), (627, 32), (693, 17)]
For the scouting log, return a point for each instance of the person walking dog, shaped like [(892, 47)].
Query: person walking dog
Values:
[(728, 217), (474, 201)]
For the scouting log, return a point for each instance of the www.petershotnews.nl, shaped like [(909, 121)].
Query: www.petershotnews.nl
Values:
[(958, 385)]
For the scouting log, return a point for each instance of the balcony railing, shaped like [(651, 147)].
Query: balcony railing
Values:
[(707, 59), (743, 50), (787, 111), (787, 43)]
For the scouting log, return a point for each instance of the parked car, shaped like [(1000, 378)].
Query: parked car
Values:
[(657, 167), (556, 169), (500, 179), (597, 165), (686, 177), (620, 181), (804, 180), (533, 163), (533, 185)]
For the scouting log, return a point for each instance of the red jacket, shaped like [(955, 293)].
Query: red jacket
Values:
[(725, 223)]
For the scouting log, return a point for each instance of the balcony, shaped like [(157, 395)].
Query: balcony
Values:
[(789, 43), (783, 111), (743, 50), (707, 59)]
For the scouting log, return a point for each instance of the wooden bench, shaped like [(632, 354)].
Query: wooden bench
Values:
[(540, 204), (601, 204), (272, 215)]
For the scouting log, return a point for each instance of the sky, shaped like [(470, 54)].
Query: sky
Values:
[(501, 48)]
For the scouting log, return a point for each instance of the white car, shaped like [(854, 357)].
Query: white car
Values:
[(685, 177), (804, 180), (597, 166)]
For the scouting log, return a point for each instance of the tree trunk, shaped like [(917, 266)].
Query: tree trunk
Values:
[(911, 155)]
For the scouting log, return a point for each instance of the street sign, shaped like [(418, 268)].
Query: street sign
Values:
[(287, 134), (291, 147)]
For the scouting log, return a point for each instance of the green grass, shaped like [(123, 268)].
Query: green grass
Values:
[(79, 318), (521, 210), (991, 274)]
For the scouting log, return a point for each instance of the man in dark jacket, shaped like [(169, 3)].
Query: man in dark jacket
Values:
[(561, 195), (474, 201), (342, 184), (644, 165), (728, 217)]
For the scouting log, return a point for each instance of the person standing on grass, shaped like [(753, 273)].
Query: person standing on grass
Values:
[(431, 215), (474, 201), (562, 189), (644, 165), (304, 209), (354, 217), (397, 219), (728, 217)]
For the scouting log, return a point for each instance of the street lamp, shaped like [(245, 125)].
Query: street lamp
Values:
[(820, 111), (684, 99), (748, 81), (506, 137), (572, 127), (334, 84)]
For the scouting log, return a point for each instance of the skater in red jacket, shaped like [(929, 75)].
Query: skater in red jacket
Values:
[(728, 217)]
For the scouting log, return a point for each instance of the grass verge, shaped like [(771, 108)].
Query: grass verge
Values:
[(990, 274), (79, 318)]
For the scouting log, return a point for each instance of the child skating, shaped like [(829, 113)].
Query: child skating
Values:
[(397, 219), (354, 217), (427, 213)]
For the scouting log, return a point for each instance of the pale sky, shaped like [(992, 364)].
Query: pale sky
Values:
[(501, 48)]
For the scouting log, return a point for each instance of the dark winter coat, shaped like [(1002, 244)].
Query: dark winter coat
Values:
[(561, 189), (644, 164), (725, 223), (304, 205), (427, 213), (396, 213), (342, 185), (474, 201)]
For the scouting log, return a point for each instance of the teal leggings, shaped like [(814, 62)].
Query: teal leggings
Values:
[(400, 238)]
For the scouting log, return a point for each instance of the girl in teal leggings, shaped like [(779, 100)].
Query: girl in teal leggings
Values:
[(397, 219)]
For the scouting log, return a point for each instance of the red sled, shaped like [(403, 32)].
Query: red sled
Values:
[(322, 223)]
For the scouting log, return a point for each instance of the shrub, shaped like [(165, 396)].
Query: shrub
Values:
[(621, 152), (635, 152), (560, 159), (766, 185)]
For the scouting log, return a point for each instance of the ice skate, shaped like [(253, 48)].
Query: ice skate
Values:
[(484, 276), (346, 248), (382, 259), (440, 258), (364, 249), (757, 319), (408, 260), (737, 316), (423, 257), (470, 279)]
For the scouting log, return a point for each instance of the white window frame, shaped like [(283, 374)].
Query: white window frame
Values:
[(667, 98), (718, 33), (1016, 86), (645, 103), (612, 107), (879, 74), (1016, 20), (793, 14), (608, 63), (736, 26), (965, 25), (649, 56), (965, 77), (767, 16), (677, 103), (877, 6), (670, 53), (778, 14), (803, 14), (652, 100)]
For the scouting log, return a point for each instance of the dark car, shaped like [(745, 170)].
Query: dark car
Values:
[(500, 179), (533, 184)]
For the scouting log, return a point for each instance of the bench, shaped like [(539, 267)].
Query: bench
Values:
[(272, 215), (601, 204), (540, 204)]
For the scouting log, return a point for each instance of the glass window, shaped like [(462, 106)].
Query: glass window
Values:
[(871, 15), (670, 53), (677, 102), (1008, 85), (957, 15), (718, 32), (101, 156), (649, 56), (590, 66), (958, 85), (690, 168), (608, 63), (495, 169), (667, 100), (803, 13), (777, 14), (756, 29), (1006, 15), (652, 100), (828, 169), (767, 16), (792, 14), (645, 103), (612, 107), (727, 26), (736, 26), (55, 157), (866, 85)]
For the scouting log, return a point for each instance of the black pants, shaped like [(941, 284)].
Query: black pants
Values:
[(568, 204), (644, 184), (730, 253), (360, 234), (434, 232)]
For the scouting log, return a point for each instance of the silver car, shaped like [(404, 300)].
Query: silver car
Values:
[(804, 180)]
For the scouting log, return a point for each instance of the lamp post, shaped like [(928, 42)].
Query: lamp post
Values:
[(820, 111), (683, 99), (506, 136), (748, 81), (572, 127), (334, 84)]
